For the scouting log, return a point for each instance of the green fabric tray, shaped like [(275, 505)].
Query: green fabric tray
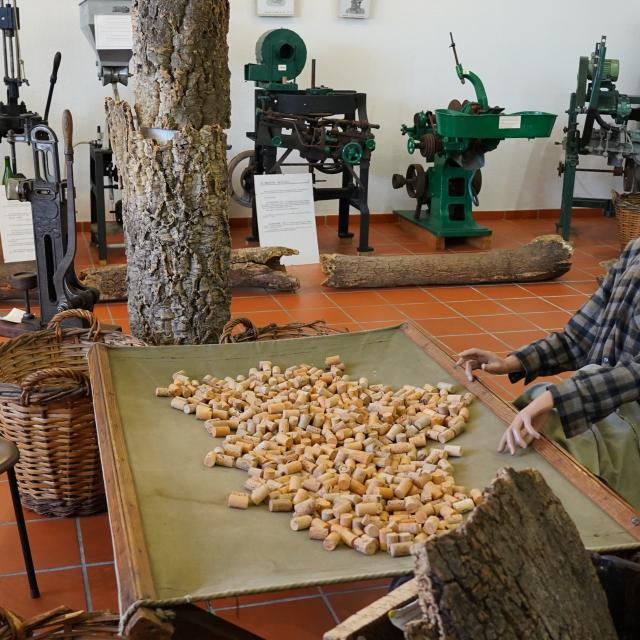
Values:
[(199, 549)]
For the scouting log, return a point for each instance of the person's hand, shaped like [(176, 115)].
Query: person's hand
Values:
[(474, 359), (528, 424)]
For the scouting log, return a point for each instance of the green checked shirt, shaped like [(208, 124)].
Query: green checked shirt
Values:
[(605, 332)]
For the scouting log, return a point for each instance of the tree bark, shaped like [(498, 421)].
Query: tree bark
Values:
[(544, 258), (250, 267), (175, 198), (516, 569)]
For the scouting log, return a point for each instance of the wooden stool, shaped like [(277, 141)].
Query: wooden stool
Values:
[(9, 456)]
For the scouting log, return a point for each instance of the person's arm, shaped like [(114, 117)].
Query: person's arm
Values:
[(568, 350), (590, 396)]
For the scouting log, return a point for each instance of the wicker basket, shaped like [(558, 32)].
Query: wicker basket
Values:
[(46, 409), (252, 333), (627, 208), (59, 623)]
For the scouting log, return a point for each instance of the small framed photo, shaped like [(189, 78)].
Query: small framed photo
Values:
[(276, 8), (359, 9)]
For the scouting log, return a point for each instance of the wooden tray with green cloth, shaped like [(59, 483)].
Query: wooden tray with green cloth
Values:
[(175, 539)]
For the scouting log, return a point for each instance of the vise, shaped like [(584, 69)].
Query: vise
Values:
[(456, 140), (597, 97), (328, 129)]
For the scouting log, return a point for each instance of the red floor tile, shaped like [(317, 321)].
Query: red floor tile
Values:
[(53, 544), (454, 294), (517, 339), (570, 303), (96, 539), (331, 315), (346, 604), (424, 310), (6, 506), (296, 620), (56, 588), (378, 313), (503, 291), (357, 298), (263, 318), (103, 588), (550, 320), (303, 300), (383, 583), (510, 322), (549, 289), (448, 326), (250, 305), (458, 344), (270, 596), (532, 304), (472, 308), (405, 295)]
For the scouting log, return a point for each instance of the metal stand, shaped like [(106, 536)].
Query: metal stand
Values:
[(354, 191), (101, 168)]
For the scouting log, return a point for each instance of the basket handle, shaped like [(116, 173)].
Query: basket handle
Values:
[(226, 337), (94, 324), (33, 379)]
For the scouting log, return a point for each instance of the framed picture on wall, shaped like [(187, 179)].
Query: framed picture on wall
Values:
[(276, 8), (359, 9)]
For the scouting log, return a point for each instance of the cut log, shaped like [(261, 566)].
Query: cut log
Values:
[(175, 199), (544, 258), (516, 569), (252, 267)]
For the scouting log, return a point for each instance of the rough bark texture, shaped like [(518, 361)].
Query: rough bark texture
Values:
[(516, 569), (544, 258), (250, 267), (181, 58), (175, 194)]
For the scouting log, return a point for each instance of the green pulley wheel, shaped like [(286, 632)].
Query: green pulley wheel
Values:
[(370, 144), (352, 152), (276, 141)]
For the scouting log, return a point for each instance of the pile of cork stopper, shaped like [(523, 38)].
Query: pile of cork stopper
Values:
[(356, 464)]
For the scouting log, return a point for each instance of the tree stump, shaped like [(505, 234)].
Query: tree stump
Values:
[(544, 258), (516, 569), (175, 199)]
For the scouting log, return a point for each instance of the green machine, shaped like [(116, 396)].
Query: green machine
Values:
[(597, 97), (456, 140)]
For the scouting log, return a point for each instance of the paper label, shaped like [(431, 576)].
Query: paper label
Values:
[(113, 32), (286, 215), (282, 67), (16, 230), (15, 316), (510, 122)]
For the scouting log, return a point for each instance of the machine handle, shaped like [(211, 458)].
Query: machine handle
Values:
[(52, 83), (67, 131), (56, 65)]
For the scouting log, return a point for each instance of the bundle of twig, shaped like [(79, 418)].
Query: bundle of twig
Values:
[(274, 331), (59, 623)]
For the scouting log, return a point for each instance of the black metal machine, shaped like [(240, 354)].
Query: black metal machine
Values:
[(52, 198), (113, 69), (330, 130)]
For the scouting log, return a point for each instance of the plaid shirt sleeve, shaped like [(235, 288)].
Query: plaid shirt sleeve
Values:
[(591, 395), (568, 350)]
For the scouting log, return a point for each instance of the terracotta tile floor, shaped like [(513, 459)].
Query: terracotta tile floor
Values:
[(74, 557)]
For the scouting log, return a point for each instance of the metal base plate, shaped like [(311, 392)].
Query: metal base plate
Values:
[(466, 230)]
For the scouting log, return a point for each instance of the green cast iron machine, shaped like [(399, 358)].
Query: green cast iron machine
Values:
[(327, 131), (455, 140), (597, 97)]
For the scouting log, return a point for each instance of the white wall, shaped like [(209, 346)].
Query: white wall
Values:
[(525, 52)]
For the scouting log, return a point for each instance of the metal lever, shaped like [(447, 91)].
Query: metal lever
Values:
[(459, 69), (52, 83)]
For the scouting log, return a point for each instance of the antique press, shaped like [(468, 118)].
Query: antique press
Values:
[(329, 130), (455, 140), (52, 198), (597, 97)]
